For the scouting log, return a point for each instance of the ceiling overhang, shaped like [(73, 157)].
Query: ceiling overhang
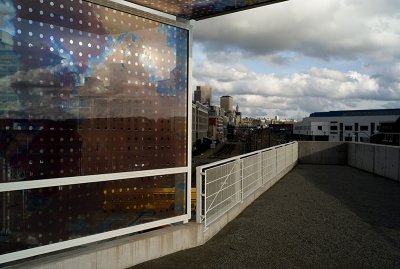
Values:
[(202, 9)]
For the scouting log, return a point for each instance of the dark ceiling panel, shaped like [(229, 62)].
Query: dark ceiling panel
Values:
[(201, 9)]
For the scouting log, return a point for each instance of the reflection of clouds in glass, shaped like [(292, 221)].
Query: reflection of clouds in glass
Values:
[(7, 13), (86, 101), (96, 54)]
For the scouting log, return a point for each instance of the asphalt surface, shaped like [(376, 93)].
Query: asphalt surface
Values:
[(316, 217)]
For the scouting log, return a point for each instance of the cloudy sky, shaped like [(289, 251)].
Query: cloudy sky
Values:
[(302, 56)]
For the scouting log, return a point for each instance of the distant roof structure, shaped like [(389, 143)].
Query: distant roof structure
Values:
[(353, 113), (202, 9)]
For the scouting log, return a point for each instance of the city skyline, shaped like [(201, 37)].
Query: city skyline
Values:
[(215, 101), (330, 55)]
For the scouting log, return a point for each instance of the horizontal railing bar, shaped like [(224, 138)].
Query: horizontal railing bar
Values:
[(252, 183), (64, 181), (249, 175), (209, 196), (214, 180), (213, 195), (211, 208), (210, 165)]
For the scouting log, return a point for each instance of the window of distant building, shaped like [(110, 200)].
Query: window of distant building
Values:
[(334, 128), (363, 128), (320, 127), (348, 128)]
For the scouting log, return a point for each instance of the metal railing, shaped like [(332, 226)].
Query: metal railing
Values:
[(222, 185)]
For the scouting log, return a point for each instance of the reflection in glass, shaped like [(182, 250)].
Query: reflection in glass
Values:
[(85, 90), (197, 9), (44, 216)]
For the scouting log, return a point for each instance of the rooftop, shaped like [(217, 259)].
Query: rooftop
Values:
[(317, 216), (353, 113)]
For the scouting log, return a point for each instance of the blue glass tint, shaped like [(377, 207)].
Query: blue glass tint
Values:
[(85, 89)]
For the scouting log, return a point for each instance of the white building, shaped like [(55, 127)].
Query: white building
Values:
[(347, 125), (217, 123), (199, 122)]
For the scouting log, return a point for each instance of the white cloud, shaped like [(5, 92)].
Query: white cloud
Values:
[(324, 29), (317, 89), (358, 41)]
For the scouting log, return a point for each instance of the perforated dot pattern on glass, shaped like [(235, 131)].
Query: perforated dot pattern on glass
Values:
[(198, 9), (43, 216), (85, 89)]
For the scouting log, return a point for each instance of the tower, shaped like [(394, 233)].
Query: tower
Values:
[(202, 95), (227, 103)]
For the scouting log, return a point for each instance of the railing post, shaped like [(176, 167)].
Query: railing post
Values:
[(285, 151), (276, 161), (260, 163), (241, 179), (199, 196)]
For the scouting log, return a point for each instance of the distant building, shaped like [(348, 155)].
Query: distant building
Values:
[(9, 60), (9, 64), (389, 133), (199, 122), (216, 123), (203, 95), (347, 125), (281, 127), (238, 116), (227, 103)]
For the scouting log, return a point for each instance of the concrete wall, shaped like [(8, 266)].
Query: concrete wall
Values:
[(381, 160), (316, 152), (124, 252), (378, 159), (361, 156)]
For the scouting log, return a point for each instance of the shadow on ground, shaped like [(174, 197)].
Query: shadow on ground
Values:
[(316, 217)]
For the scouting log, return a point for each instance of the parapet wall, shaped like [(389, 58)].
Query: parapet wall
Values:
[(381, 160), (311, 152)]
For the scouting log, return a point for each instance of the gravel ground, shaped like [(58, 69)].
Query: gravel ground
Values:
[(316, 217)]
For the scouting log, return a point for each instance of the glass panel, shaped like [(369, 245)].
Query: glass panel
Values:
[(197, 9), (37, 217), (85, 90)]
